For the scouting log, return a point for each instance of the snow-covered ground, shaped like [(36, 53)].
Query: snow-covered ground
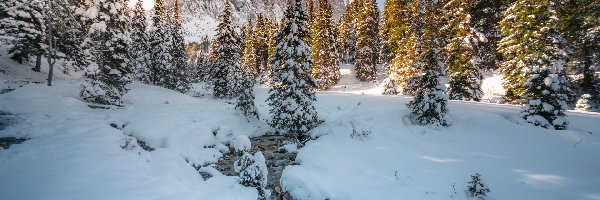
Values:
[(75, 152)]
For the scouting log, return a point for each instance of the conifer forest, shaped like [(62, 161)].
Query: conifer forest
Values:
[(300, 99)]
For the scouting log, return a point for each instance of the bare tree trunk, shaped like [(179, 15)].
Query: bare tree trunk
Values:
[(50, 70), (38, 63)]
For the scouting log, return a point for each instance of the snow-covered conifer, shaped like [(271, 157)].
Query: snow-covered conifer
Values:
[(429, 105), (326, 69), (291, 97), (366, 41), (249, 56), (227, 62), (252, 170), (245, 102), (180, 79), (139, 48), (465, 77), (159, 41), (586, 103), (106, 83)]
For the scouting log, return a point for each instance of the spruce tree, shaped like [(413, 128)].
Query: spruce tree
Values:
[(292, 96), (581, 27), (429, 105), (25, 22), (159, 45), (402, 60), (366, 41), (524, 42), (227, 62), (180, 80), (391, 27), (326, 69), (485, 16), (245, 102), (107, 83), (347, 32), (249, 59), (533, 50), (139, 48), (465, 77)]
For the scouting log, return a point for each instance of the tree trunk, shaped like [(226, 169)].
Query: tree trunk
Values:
[(50, 71), (38, 63)]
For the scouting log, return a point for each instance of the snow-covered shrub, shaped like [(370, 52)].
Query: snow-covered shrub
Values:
[(586, 103), (359, 134), (476, 188), (253, 172), (389, 85), (241, 144), (96, 90)]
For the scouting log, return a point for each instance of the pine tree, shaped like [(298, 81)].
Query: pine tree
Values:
[(347, 32), (250, 62), (429, 105), (523, 42), (179, 67), (485, 16), (292, 96), (107, 83), (405, 54), (26, 22), (228, 72), (581, 27), (389, 85), (366, 41), (533, 50), (465, 77), (391, 27), (326, 68), (159, 45), (245, 102), (252, 170), (139, 48)]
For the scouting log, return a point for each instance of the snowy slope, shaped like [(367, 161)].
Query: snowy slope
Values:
[(75, 152)]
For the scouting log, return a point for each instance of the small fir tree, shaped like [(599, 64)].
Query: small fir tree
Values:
[(429, 105), (245, 102)]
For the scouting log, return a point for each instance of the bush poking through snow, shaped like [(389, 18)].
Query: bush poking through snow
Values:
[(586, 103), (253, 172), (389, 85), (359, 134), (476, 188)]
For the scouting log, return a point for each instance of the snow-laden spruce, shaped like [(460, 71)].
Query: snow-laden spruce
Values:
[(139, 47), (245, 102), (227, 64), (292, 95), (252, 170), (107, 78), (429, 105), (326, 69)]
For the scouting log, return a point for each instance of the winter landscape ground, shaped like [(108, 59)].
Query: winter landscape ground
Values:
[(75, 152)]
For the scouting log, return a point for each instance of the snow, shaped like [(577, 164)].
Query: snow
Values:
[(73, 152)]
